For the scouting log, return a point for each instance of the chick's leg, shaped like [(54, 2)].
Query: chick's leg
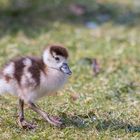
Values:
[(52, 120), (21, 121)]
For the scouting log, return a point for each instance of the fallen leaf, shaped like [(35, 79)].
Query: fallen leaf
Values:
[(95, 66)]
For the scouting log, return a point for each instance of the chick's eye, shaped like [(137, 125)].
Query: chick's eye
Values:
[(57, 58)]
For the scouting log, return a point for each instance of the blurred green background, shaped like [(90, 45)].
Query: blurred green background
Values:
[(94, 105), (32, 17)]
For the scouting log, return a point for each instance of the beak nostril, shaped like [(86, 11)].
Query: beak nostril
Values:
[(65, 69)]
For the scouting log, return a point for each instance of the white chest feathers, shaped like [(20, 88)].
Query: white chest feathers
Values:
[(50, 83)]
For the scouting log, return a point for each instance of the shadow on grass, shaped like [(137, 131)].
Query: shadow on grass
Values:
[(91, 121), (116, 125), (35, 17)]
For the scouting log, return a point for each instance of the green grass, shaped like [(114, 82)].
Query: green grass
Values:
[(106, 105)]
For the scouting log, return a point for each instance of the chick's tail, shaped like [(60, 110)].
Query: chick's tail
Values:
[(4, 86)]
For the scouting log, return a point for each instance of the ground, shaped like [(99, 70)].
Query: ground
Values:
[(93, 106)]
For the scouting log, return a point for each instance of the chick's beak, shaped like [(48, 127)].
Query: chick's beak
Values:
[(65, 69)]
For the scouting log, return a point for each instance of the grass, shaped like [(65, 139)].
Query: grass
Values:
[(105, 106)]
